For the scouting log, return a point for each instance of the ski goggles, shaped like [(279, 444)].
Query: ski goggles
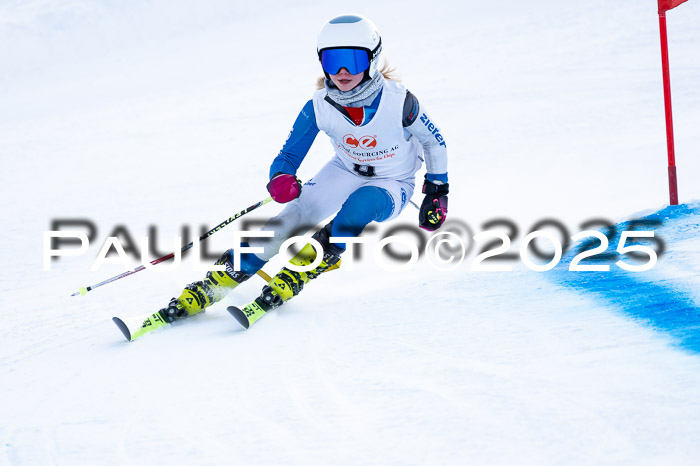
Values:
[(354, 60)]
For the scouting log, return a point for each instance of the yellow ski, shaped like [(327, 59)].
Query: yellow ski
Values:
[(249, 314), (137, 327)]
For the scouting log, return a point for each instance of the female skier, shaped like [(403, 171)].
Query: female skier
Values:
[(380, 135)]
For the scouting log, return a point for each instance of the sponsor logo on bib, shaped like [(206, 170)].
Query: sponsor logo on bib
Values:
[(363, 142)]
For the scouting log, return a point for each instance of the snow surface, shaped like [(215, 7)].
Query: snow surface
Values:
[(168, 114)]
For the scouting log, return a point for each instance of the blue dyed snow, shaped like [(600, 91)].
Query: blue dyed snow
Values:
[(661, 304)]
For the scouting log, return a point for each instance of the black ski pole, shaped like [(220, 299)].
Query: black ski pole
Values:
[(84, 290)]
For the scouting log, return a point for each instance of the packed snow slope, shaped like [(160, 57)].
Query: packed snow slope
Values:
[(129, 115)]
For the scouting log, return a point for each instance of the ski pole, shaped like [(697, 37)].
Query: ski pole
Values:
[(83, 291)]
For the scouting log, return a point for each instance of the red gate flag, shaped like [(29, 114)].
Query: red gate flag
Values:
[(665, 5)]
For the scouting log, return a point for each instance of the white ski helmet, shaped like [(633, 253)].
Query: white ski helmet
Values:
[(351, 32)]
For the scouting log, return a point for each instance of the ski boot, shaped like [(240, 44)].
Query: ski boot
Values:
[(284, 286), (201, 294), (288, 283)]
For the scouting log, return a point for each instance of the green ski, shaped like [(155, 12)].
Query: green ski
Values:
[(250, 313), (136, 327)]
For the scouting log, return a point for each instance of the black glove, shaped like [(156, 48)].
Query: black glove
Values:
[(433, 210)]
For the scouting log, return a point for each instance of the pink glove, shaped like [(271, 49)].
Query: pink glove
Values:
[(284, 187)]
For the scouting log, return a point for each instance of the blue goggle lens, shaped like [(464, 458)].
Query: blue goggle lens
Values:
[(354, 60)]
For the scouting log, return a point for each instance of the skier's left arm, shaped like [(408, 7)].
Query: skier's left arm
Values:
[(418, 122)]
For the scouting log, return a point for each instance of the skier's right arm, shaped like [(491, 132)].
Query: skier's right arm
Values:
[(298, 143), (284, 186)]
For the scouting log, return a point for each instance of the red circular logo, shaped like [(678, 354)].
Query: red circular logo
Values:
[(363, 142), (368, 142), (349, 140)]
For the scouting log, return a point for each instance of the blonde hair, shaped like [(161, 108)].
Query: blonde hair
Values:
[(389, 72)]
